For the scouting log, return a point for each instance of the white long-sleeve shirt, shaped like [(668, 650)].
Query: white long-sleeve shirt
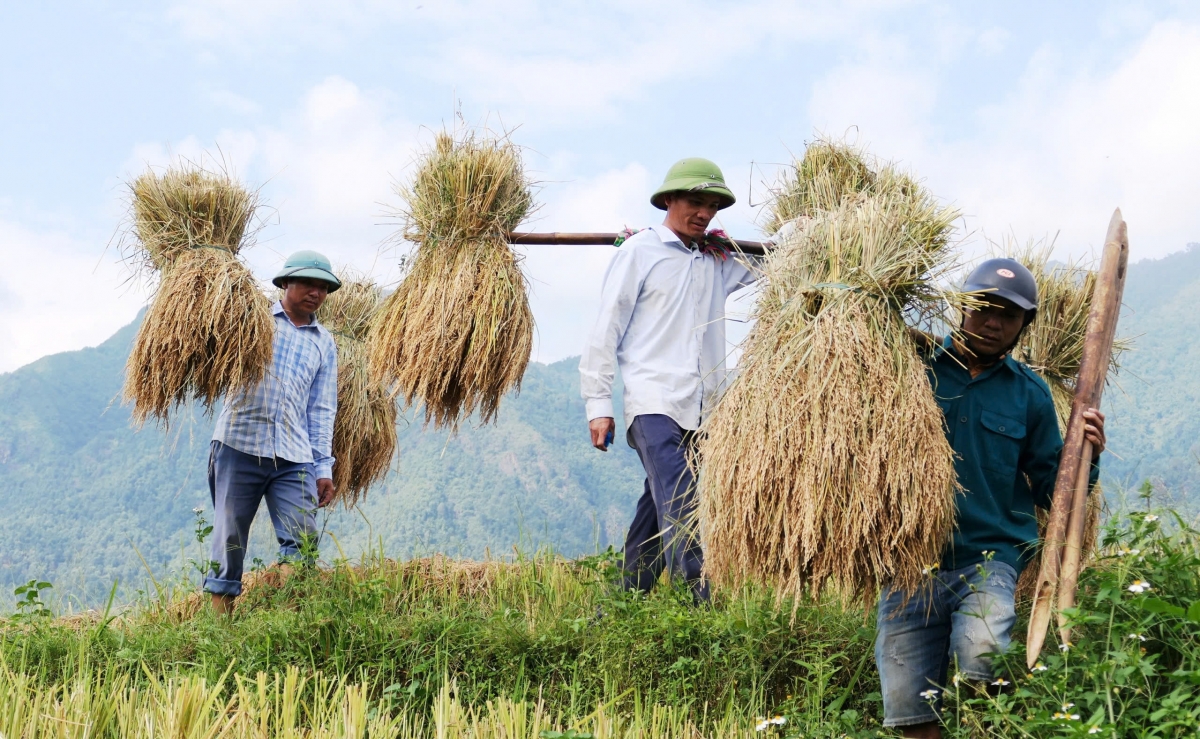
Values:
[(662, 320)]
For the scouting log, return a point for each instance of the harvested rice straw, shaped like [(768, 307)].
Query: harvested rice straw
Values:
[(208, 330), (828, 173), (825, 465), (1052, 346), (364, 431), (457, 334)]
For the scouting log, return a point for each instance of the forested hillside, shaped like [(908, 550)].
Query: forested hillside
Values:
[(83, 493), (1154, 409)]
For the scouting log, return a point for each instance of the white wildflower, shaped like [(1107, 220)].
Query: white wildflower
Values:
[(929, 694), (1139, 586)]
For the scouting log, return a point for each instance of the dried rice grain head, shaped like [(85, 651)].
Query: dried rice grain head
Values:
[(456, 335), (208, 331), (364, 430), (825, 467), (189, 207)]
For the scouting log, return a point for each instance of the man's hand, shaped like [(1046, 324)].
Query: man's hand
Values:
[(1093, 430), (601, 428), (325, 491)]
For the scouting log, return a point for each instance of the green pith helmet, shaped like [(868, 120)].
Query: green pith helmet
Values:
[(693, 175), (311, 264)]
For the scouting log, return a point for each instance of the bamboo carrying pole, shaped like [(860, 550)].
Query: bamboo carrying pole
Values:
[(1069, 508), (601, 239)]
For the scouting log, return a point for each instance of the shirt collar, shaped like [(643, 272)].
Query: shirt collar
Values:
[(278, 310), (667, 235), (945, 352)]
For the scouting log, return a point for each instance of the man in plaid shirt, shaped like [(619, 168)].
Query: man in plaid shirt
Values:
[(275, 441)]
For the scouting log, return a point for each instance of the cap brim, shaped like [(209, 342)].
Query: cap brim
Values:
[(311, 273)]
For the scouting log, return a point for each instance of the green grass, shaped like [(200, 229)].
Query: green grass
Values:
[(542, 631)]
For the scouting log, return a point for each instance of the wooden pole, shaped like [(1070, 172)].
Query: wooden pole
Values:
[(1073, 467), (1073, 550), (558, 238)]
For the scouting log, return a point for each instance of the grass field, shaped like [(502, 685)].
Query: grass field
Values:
[(542, 647)]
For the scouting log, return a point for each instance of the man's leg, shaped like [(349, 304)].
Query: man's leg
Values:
[(292, 502), (911, 654), (643, 546), (236, 482), (983, 617), (664, 447)]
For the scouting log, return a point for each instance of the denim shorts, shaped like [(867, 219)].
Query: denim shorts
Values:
[(966, 615)]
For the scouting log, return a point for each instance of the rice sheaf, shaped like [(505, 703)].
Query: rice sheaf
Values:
[(456, 335)]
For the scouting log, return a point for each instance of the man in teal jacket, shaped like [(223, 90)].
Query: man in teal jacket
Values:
[(1001, 423)]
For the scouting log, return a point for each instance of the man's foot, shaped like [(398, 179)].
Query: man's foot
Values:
[(929, 730), (223, 604)]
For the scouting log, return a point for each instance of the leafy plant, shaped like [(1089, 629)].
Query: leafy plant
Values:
[(30, 606)]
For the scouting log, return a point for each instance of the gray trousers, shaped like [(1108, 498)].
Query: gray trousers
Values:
[(238, 482), (662, 534)]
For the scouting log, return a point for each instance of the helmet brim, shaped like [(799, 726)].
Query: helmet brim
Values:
[(658, 199), (312, 273), (990, 290)]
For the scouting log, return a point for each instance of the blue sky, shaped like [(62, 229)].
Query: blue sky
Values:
[(1034, 118)]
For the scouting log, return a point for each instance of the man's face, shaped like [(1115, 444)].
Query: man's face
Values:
[(689, 213), (993, 327), (306, 293)]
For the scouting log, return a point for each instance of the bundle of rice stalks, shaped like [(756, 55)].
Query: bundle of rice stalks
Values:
[(364, 431), (1052, 346), (826, 463), (208, 331), (457, 334), (829, 173)]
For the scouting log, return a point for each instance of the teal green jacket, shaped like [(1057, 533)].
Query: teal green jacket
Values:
[(1004, 432)]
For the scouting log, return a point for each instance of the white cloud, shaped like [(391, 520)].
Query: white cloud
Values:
[(233, 102), (1067, 146), (58, 293), (1054, 147), (555, 61), (325, 170), (992, 41)]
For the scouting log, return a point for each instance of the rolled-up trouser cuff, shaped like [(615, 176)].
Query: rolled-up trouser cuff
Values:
[(897, 723), (217, 586)]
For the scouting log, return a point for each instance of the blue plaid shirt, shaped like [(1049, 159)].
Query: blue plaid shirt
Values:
[(289, 415)]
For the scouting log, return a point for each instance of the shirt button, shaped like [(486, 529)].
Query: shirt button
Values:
[(963, 419), (1001, 428)]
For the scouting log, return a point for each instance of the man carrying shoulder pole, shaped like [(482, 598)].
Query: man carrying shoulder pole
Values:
[(275, 441), (662, 322)]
